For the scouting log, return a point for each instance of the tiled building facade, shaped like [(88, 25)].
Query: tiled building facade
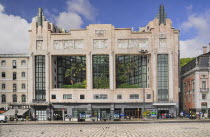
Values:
[(103, 72)]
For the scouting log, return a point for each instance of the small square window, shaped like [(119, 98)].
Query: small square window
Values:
[(203, 96), (82, 96), (119, 96), (53, 96), (148, 96)]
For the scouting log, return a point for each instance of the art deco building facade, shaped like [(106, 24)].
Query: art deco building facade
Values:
[(195, 85), (103, 72)]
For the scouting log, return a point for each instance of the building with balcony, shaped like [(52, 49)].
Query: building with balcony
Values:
[(195, 85), (102, 72)]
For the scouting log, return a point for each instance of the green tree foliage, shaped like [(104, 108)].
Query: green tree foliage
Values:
[(184, 61)]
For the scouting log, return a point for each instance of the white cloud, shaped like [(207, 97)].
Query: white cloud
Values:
[(199, 23), (189, 7), (69, 20), (72, 18), (13, 33)]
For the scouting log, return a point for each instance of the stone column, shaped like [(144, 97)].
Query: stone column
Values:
[(111, 70), (171, 77), (123, 114), (89, 71), (197, 90), (112, 112)]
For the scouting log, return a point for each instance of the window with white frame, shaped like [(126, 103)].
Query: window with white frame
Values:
[(203, 84), (3, 63), (100, 96), (67, 96), (23, 86), (23, 74), (23, 63), (134, 96), (3, 86)]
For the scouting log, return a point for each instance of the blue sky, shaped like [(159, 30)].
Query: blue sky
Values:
[(191, 17)]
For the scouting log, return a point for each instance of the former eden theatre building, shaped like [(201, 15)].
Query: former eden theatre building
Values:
[(100, 71)]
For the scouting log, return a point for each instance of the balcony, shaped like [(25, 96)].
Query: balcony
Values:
[(204, 90)]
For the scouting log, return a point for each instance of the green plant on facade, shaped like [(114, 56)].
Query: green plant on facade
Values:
[(101, 81), (73, 72), (124, 70)]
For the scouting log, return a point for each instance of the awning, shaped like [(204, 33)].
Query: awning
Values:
[(22, 111), (9, 112), (12, 112)]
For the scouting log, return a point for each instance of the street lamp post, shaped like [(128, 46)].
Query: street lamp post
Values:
[(143, 52)]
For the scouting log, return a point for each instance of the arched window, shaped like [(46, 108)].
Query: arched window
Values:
[(3, 63), (23, 63), (14, 98), (23, 98), (23, 74), (3, 98)]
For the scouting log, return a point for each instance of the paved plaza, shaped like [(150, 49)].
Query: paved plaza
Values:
[(150, 129)]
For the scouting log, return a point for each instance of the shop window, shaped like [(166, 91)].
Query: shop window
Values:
[(53, 97), (82, 96)]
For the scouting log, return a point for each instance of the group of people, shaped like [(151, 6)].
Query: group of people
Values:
[(165, 116)]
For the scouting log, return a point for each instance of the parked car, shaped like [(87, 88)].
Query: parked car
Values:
[(3, 118)]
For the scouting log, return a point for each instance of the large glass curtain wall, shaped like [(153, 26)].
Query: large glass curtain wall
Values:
[(100, 71), (131, 71), (71, 71), (40, 91), (162, 70)]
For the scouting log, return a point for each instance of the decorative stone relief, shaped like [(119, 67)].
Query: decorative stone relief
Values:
[(68, 44), (162, 43), (123, 43), (100, 43), (133, 43), (39, 44), (100, 32)]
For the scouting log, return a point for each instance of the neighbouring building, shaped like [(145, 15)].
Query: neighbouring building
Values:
[(103, 72), (14, 80), (195, 85)]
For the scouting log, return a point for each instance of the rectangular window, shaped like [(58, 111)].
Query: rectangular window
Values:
[(3, 86), (134, 96), (14, 75), (23, 74), (131, 71), (100, 96), (23, 86), (148, 96), (53, 96), (71, 71), (14, 64), (82, 96), (100, 71), (203, 84), (119, 96), (40, 91), (203, 96), (23, 63), (162, 77), (67, 96), (3, 74), (14, 87)]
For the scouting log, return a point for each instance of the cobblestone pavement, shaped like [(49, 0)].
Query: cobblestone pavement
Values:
[(107, 130)]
